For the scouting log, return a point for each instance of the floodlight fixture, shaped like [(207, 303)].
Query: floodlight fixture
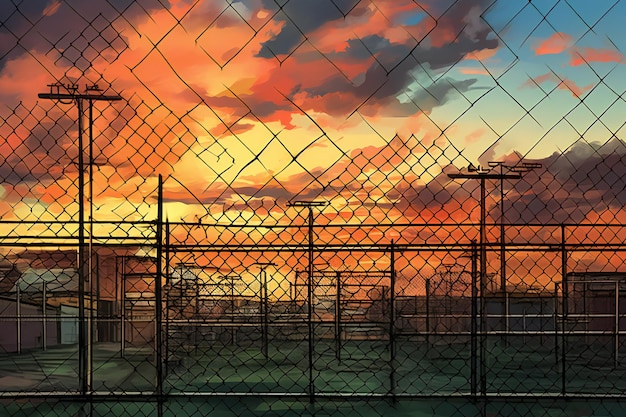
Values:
[(307, 203), (264, 264)]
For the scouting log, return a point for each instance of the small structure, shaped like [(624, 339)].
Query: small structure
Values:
[(56, 287), (205, 306), (525, 311), (411, 314), (597, 300), (32, 303)]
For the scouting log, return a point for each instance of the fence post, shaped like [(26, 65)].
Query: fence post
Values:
[(265, 316), (564, 311), (123, 307), (616, 323), (483, 284), (310, 205), (44, 333), (556, 324), (310, 308), (18, 314), (167, 298), (427, 301), (82, 330), (474, 325), (392, 324), (264, 307), (338, 316), (158, 296)]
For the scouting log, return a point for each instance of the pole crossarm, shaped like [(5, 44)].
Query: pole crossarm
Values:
[(91, 93), (79, 96), (307, 203), (484, 175), (264, 264)]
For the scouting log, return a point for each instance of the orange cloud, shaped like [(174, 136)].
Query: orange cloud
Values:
[(586, 55), (561, 84), (475, 135), (555, 44), (574, 88), (183, 91), (52, 8)]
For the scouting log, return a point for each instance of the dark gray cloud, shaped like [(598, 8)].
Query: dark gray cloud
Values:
[(16, 25), (301, 17), (362, 49), (73, 35), (46, 154), (591, 176), (397, 65), (439, 194), (586, 178), (450, 54)]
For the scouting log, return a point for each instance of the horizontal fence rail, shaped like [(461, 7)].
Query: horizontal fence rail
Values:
[(393, 322)]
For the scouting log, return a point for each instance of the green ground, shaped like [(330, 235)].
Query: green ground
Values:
[(223, 380)]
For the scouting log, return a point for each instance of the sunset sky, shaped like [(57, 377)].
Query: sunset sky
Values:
[(246, 105)]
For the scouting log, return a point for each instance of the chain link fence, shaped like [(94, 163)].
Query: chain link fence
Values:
[(339, 207)]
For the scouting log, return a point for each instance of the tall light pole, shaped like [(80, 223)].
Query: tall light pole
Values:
[(310, 205), (492, 165), (518, 169), (483, 175), (514, 172), (69, 94)]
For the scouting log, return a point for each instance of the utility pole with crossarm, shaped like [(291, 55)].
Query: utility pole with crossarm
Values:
[(70, 94)]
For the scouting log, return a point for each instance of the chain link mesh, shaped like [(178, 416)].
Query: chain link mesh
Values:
[(338, 207)]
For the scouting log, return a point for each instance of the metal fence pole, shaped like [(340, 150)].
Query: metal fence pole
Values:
[(427, 307), (263, 307), (123, 308), (233, 336), (474, 325), (18, 320), (310, 308), (159, 299), (564, 312), (338, 316), (310, 205), (264, 317), (482, 283), (44, 330), (168, 284), (97, 282), (89, 261), (82, 330), (556, 323), (392, 323), (616, 353)]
